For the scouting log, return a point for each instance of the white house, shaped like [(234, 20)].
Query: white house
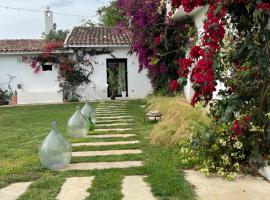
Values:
[(31, 87), (43, 87), (135, 84)]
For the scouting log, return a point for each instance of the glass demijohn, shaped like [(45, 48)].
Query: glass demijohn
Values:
[(55, 152), (77, 125), (89, 112)]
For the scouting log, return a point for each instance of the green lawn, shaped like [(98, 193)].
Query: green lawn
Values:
[(22, 129)]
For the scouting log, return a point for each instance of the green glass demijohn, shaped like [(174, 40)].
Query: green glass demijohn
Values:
[(55, 152), (77, 125), (89, 113)]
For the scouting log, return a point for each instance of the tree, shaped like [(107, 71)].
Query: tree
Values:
[(56, 35), (111, 15)]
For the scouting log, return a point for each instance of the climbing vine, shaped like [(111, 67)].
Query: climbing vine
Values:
[(157, 40), (74, 65)]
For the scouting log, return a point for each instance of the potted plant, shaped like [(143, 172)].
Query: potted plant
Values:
[(4, 97), (113, 83)]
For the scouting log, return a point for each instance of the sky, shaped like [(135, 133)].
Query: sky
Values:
[(16, 24)]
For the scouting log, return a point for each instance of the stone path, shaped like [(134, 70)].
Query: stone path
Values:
[(13, 191), (134, 188), (112, 136), (103, 165), (112, 129), (105, 153), (105, 143), (243, 188), (114, 121), (75, 188)]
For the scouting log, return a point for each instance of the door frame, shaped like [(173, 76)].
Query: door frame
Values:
[(108, 60)]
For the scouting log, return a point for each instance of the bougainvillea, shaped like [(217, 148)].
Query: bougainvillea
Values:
[(158, 41), (233, 49), (74, 69)]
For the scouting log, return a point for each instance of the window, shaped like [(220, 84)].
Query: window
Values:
[(46, 67)]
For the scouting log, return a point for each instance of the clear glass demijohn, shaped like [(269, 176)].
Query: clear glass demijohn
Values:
[(89, 112), (77, 125), (55, 152)]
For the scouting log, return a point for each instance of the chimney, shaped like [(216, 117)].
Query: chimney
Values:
[(48, 20)]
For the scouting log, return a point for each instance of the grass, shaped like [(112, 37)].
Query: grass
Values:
[(22, 129), (180, 119)]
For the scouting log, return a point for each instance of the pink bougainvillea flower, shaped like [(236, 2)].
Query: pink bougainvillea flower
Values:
[(174, 85), (263, 6), (195, 52), (157, 41)]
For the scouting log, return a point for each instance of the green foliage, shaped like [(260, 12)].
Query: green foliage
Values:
[(5, 95), (56, 35), (111, 15)]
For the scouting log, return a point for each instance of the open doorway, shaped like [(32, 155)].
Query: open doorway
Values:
[(117, 72)]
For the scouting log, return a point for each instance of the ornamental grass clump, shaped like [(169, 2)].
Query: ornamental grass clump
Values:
[(179, 119)]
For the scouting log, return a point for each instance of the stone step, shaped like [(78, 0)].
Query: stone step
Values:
[(114, 121), (103, 165), (105, 143), (112, 110), (75, 188), (116, 117), (112, 107), (112, 136), (14, 190), (134, 188), (105, 153), (112, 129), (113, 114), (115, 124)]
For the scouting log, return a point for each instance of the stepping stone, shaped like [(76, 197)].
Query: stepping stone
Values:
[(111, 110), (114, 113), (14, 190), (242, 188), (116, 124), (105, 153), (112, 136), (103, 165), (114, 121), (110, 106), (116, 117), (114, 129), (134, 188), (75, 188), (105, 143)]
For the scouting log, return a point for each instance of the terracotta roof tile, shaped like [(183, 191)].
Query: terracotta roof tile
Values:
[(21, 45), (98, 36)]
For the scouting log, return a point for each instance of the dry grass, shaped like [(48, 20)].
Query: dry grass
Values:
[(179, 119)]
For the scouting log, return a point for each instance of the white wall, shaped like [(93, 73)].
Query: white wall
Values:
[(42, 87), (39, 87), (139, 85)]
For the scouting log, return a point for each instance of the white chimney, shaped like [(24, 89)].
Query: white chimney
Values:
[(48, 20)]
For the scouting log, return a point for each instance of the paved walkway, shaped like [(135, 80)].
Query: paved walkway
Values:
[(243, 188), (114, 120)]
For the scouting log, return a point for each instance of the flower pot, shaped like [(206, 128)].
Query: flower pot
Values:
[(124, 94)]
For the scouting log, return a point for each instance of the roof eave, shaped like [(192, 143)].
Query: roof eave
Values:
[(20, 52), (97, 46), (32, 52)]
